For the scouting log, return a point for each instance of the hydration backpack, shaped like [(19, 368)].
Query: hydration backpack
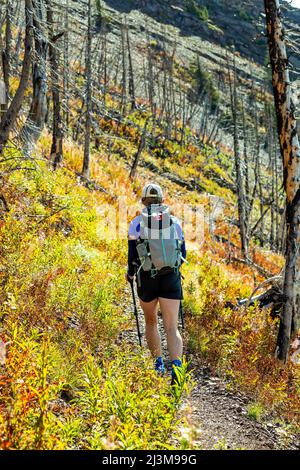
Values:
[(159, 244)]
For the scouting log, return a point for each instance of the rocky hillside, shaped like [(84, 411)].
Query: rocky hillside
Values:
[(220, 22), (197, 29)]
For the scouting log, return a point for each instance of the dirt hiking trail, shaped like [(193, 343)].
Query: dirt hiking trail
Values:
[(219, 417)]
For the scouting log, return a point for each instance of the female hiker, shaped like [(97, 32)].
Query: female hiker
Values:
[(156, 249)]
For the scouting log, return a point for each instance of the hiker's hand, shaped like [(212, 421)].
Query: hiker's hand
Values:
[(129, 278)]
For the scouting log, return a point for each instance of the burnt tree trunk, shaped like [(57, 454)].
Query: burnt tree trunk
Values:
[(238, 162), (56, 153), (246, 164), (66, 73), (6, 53), (151, 78), (141, 147), (38, 110), (123, 103), (290, 151), (9, 118), (131, 86), (88, 74), (258, 176)]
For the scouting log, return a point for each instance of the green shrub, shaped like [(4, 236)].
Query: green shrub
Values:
[(244, 15), (200, 12), (255, 411)]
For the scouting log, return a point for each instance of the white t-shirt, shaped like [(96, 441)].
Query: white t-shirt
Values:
[(135, 228)]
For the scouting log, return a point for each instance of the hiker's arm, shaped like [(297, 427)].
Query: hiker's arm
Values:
[(132, 251), (183, 249), (132, 256)]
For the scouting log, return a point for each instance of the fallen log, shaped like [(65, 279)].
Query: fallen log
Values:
[(272, 298), (94, 186), (259, 268)]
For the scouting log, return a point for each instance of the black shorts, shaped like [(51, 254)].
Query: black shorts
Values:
[(166, 285)]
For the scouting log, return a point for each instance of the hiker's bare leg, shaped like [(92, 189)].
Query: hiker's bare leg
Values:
[(170, 309), (152, 333)]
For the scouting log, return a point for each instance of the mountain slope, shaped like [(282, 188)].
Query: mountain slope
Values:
[(221, 22)]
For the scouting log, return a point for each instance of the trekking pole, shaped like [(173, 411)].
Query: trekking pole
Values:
[(136, 313), (181, 314)]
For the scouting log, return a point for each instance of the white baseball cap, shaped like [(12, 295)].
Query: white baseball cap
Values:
[(152, 190)]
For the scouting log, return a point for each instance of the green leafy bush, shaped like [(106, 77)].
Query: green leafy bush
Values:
[(200, 12), (244, 15)]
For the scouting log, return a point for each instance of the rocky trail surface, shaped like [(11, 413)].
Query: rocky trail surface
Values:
[(218, 416), (224, 422)]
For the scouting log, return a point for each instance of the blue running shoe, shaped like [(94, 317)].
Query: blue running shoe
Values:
[(159, 366), (175, 363)]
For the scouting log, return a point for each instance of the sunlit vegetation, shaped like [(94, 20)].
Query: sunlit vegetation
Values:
[(71, 374), (67, 381), (65, 303)]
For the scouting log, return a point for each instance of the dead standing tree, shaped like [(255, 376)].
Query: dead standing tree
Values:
[(38, 110), (9, 118), (131, 85), (88, 73), (103, 75), (138, 154), (237, 159), (150, 78), (290, 151), (56, 155), (123, 102), (6, 52), (66, 72)]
